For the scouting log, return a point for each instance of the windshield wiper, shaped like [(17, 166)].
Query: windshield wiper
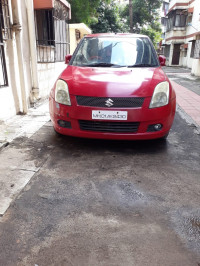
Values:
[(142, 65), (101, 64)]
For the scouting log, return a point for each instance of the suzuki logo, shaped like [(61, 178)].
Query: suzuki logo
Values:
[(109, 102)]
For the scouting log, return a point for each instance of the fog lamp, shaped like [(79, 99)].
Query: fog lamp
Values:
[(65, 124), (154, 127), (158, 127)]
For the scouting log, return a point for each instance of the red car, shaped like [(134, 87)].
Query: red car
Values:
[(113, 88)]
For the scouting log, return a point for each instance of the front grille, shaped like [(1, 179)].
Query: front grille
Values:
[(120, 102), (123, 127)]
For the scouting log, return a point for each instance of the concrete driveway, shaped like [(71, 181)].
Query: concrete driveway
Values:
[(94, 202)]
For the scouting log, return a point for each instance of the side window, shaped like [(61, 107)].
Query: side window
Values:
[(148, 56), (82, 54)]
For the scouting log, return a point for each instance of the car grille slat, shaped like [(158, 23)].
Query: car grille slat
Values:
[(101, 126), (117, 102)]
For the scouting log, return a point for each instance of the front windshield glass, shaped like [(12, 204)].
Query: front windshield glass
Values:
[(115, 52)]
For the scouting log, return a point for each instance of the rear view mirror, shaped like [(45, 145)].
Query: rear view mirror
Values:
[(68, 58), (162, 60)]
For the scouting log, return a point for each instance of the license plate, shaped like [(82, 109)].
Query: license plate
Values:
[(109, 115)]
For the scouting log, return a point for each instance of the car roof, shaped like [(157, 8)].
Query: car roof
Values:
[(115, 35)]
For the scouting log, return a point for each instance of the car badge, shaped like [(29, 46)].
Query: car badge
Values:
[(109, 102)]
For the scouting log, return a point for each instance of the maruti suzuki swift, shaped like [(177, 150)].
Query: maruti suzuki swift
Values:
[(113, 88)]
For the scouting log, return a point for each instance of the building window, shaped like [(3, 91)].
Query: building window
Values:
[(52, 34), (176, 18), (78, 35), (180, 19), (45, 29), (167, 51), (5, 33), (165, 8)]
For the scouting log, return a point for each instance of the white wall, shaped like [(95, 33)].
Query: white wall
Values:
[(11, 96), (176, 33), (47, 75), (173, 2), (171, 54), (183, 59), (196, 27), (7, 104), (189, 59), (189, 33), (196, 67), (73, 42)]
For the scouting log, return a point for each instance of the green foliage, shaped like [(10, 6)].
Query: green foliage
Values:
[(145, 12), (109, 19), (154, 35), (145, 18), (107, 16), (84, 11)]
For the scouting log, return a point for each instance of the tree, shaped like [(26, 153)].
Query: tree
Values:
[(107, 16), (84, 10), (131, 15), (145, 12), (144, 17), (108, 19)]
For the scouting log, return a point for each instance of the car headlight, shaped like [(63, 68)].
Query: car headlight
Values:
[(161, 95), (62, 92)]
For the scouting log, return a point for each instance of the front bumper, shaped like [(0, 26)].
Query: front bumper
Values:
[(145, 116)]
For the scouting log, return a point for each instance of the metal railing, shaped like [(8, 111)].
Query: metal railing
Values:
[(52, 34)]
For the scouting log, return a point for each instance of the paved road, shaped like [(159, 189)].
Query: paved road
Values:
[(183, 77), (93, 202)]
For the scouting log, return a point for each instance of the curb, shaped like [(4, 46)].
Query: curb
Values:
[(188, 119), (4, 144)]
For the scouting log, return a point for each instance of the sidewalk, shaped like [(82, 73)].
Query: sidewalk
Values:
[(187, 89), (24, 125)]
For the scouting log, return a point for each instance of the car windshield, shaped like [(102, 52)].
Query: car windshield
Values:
[(115, 52)]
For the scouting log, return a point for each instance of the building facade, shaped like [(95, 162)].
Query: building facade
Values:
[(182, 34), (77, 32), (34, 39)]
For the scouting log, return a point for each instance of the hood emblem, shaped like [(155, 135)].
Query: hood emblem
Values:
[(109, 102)]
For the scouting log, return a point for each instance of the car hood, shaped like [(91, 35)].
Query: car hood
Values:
[(112, 82)]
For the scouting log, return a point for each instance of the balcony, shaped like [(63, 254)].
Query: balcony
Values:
[(178, 4), (175, 36), (176, 20)]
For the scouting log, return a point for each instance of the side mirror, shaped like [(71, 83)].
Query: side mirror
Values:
[(68, 58), (162, 60)]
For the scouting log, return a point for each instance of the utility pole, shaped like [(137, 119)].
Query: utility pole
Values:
[(131, 15)]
